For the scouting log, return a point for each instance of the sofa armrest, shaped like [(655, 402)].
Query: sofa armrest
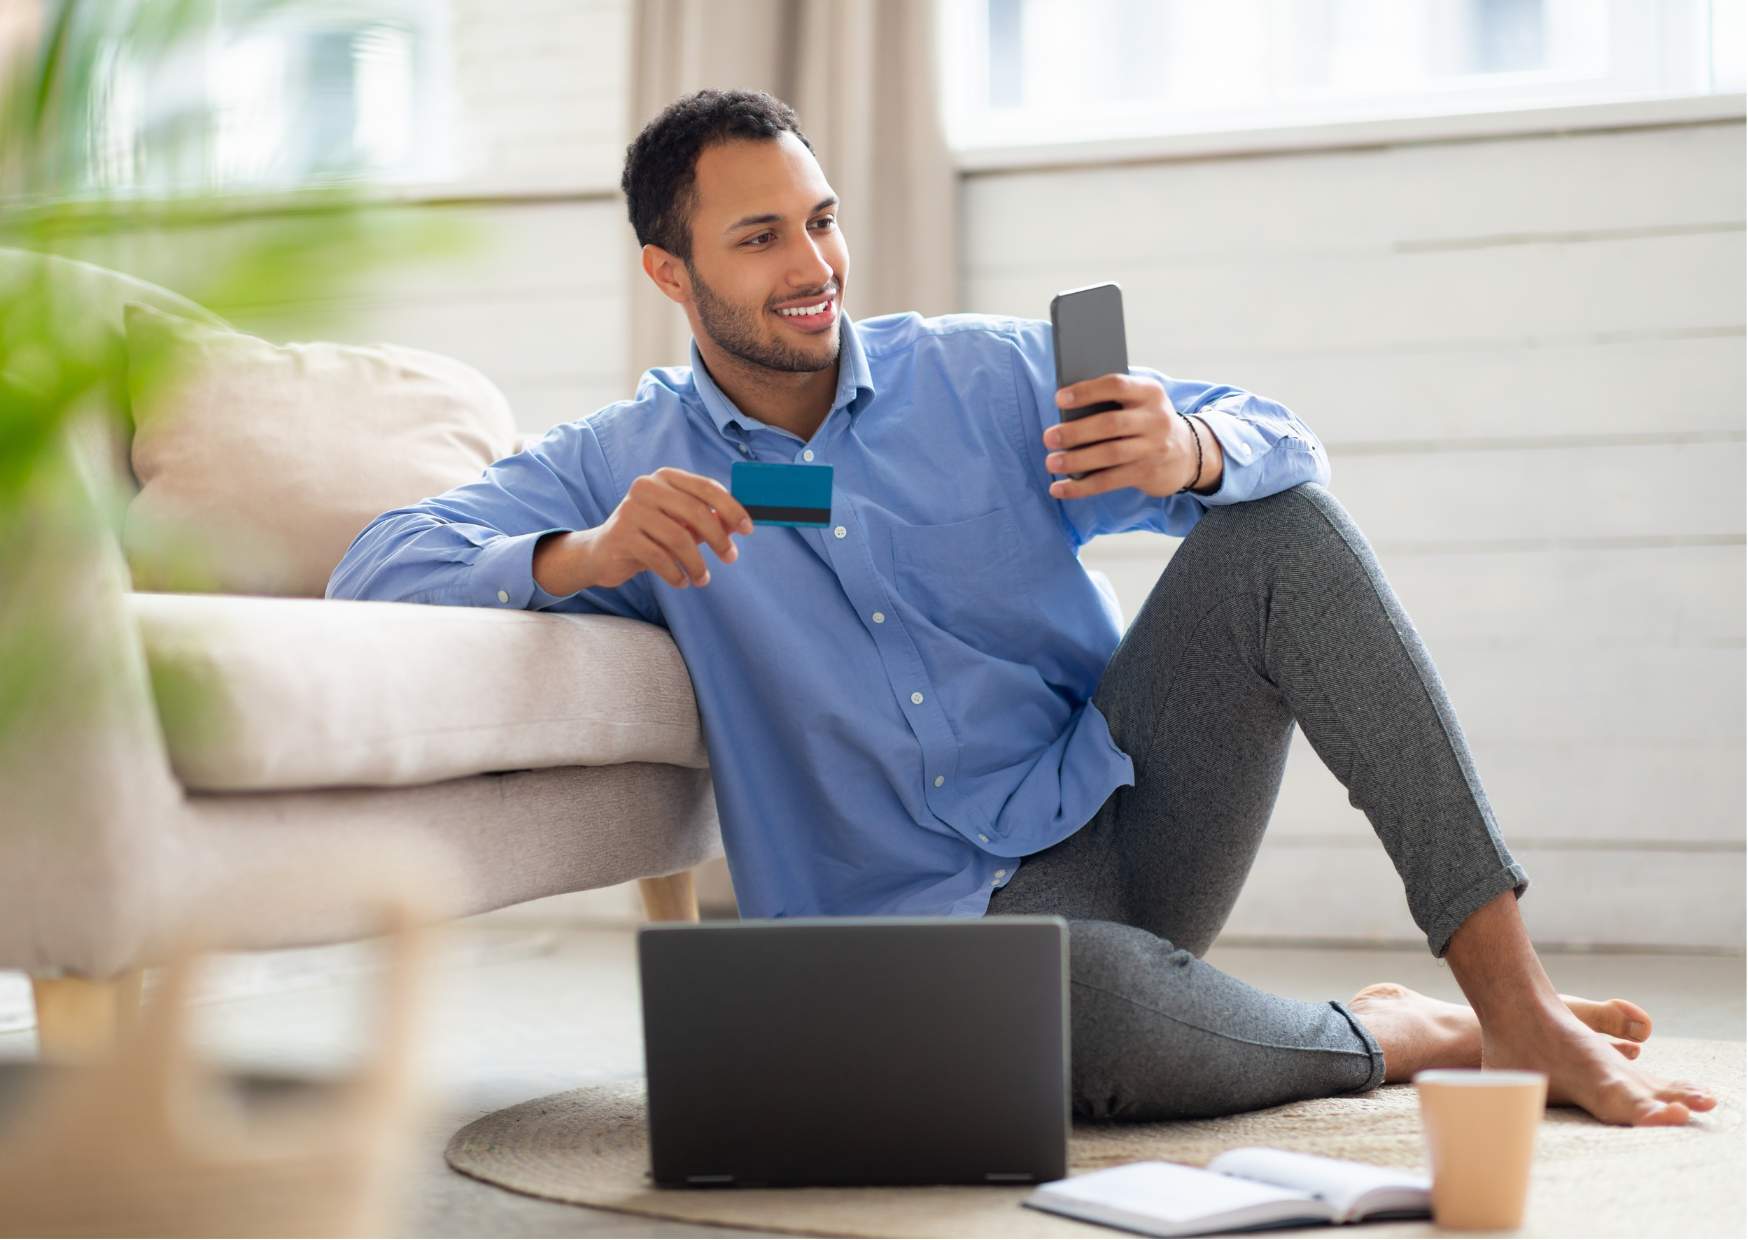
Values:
[(313, 693), (88, 788)]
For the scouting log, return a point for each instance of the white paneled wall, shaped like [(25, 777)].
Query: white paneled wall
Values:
[(1526, 356), (541, 92)]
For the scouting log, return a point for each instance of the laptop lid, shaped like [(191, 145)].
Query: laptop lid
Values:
[(857, 1050)]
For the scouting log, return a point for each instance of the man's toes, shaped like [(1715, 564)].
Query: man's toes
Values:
[(1655, 1112), (1630, 1049), (1383, 990), (1689, 1094), (1621, 1018), (1638, 1021)]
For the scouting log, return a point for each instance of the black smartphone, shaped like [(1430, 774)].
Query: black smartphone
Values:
[(1087, 327)]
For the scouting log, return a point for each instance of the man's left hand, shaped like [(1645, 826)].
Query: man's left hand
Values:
[(1144, 444)]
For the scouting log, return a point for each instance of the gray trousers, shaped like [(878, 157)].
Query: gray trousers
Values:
[(1271, 612)]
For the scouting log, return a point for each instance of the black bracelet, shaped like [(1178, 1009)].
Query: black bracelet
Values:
[(1192, 484)]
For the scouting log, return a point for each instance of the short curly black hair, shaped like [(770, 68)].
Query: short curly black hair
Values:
[(660, 182)]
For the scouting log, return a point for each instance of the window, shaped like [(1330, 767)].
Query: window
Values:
[(272, 97), (1031, 71)]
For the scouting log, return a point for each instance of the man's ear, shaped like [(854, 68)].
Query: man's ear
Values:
[(669, 274)]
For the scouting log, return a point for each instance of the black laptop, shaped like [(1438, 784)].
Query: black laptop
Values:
[(857, 1051)]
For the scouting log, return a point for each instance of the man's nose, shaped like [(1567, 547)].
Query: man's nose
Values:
[(813, 266)]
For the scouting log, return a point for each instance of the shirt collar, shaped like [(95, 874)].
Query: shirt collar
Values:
[(854, 378)]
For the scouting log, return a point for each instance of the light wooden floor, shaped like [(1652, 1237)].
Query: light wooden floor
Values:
[(518, 1011)]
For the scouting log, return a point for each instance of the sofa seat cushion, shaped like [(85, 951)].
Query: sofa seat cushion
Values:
[(261, 694)]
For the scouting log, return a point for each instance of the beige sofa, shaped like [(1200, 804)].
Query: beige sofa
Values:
[(510, 755)]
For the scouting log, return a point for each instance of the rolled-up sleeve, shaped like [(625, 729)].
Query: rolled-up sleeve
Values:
[(1266, 447), (473, 546)]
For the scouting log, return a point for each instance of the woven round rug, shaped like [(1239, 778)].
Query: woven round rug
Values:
[(589, 1146)]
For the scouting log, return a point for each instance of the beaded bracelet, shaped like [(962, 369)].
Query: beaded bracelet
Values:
[(1191, 485)]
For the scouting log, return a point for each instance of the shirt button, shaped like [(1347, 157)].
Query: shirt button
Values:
[(503, 596), (841, 532), (917, 698), (982, 839), (879, 617), (939, 780), (807, 455)]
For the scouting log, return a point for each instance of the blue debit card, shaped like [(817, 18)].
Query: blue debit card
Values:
[(777, 494)]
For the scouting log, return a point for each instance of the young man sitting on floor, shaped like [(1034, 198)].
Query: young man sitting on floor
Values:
[(928, 708)]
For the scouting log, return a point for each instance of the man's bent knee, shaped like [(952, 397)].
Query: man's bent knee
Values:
[(1303, 521)]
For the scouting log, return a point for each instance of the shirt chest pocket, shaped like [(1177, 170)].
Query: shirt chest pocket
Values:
[(967, 579)]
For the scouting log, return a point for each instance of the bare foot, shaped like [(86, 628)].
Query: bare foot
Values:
[(1417, 1031), (1583, 1072), (1526, 1025), (1583, 1046)]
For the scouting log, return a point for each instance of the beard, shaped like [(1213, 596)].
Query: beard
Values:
[(741, 331)]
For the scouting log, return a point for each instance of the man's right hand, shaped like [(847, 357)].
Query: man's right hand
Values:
[(659, 526)]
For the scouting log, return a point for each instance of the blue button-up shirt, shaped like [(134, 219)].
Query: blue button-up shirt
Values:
[(897, 705)]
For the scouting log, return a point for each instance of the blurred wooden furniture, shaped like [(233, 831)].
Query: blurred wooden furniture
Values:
[(144, 1140)]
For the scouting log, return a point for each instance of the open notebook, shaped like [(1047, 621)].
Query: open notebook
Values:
[(1243, 1188)]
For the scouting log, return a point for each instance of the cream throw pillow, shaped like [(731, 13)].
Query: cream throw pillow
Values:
[(259, 463)]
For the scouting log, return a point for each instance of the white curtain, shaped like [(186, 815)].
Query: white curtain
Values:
[(861, 75)]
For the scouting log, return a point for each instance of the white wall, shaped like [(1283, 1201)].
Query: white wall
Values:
[(1526, 359), (541, 92)]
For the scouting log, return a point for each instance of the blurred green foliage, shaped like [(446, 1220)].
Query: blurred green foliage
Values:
[(286, 249)]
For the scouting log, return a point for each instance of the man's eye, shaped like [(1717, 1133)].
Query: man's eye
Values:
[(824, 219)]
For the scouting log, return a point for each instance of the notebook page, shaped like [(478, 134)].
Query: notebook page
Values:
[(1336, 1180), (1170, 1193)]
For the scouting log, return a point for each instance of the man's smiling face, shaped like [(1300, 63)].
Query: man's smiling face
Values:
[(765, 236)]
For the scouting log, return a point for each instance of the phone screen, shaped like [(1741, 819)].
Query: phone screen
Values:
[(1087, 326)]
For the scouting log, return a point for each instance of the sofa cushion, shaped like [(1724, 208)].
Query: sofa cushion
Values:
[(259, 463), (270, 694), (86, 304)]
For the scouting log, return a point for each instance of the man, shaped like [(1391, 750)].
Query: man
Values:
[(928, 707)]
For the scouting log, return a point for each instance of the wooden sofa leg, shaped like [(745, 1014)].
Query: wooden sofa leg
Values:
[(673, 898), (79, 1017)]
